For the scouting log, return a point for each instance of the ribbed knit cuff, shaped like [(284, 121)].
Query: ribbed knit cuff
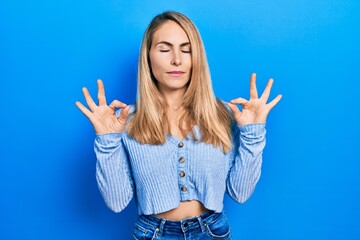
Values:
[(108, 139), (253, 129)]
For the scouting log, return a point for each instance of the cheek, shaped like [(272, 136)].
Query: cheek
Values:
[(155, 65), (189, 62), (157, 71)]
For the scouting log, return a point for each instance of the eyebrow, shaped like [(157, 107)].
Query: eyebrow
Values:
[(170, 44)]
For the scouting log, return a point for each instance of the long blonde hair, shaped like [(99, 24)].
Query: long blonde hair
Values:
[(149, 123)]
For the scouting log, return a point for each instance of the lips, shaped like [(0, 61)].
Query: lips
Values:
[(175, 73)]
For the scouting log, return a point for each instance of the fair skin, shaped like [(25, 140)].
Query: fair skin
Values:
[(170, 57)]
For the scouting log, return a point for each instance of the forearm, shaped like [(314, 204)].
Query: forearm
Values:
[(246, 169), (113, 173)]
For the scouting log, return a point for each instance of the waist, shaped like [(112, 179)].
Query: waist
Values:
[(189, 223), (186, 209)]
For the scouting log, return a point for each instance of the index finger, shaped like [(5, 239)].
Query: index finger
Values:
[(101, 93)]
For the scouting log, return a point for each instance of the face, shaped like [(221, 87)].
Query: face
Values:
[(170, 57)]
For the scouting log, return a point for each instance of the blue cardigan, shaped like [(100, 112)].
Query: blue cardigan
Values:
[(161, 176)]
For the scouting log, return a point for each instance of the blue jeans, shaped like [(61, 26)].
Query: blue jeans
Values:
[(209, 225)]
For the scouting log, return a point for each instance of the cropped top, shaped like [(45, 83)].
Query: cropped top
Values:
[(161, 176)]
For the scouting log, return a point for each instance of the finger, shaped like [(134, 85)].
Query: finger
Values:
[(253, 89), (89, 101), (234, 109), (275, 101), (124, 114), (241, 101), (101, 93), (83, 109), (117, 104), (265, 95)]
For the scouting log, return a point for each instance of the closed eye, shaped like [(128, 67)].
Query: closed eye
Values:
[(164, 50)]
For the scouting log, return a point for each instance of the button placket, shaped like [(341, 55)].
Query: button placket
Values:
[(182, 171)]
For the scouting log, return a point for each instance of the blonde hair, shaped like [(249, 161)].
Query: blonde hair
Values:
[(149, 124)]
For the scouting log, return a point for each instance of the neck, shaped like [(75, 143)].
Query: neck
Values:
[(174, 99)]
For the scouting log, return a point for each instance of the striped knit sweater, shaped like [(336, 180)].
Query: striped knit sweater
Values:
[(161, 176)]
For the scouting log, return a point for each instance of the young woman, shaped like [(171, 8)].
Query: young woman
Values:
[(178, 149)]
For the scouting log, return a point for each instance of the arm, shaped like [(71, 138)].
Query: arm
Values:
[(112, 168), (249, 142), (113, 172)]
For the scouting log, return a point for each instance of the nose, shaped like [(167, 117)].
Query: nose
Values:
[(176, 59), (176, 62)]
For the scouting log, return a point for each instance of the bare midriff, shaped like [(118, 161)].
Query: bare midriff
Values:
[(187, 209)]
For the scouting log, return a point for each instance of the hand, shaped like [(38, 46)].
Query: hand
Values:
[(254, 110), (103, 117)]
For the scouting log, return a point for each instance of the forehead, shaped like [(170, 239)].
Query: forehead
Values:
[(171, 32)]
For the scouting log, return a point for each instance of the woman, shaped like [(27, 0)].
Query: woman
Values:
[(178, 149)]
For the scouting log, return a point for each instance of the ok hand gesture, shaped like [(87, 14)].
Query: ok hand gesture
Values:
[(254, 110), (103, 117)]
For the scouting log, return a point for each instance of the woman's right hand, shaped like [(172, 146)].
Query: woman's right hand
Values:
[(103, 117)]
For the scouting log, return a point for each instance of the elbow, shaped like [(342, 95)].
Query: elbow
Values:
[(116, 200), (243, 198), (116, 196), (115, 208), (240, 195), (117, 205)]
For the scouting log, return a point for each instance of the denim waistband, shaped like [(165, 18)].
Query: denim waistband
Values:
[(188, 223)]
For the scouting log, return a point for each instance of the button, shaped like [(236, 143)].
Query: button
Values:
[(186, 224), (183, 188), (181, 144), (182, 160), (182, 174)]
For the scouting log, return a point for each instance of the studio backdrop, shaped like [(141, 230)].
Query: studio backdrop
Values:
[(49, 50)]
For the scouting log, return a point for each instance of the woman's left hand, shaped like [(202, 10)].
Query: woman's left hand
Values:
[(254, 110)]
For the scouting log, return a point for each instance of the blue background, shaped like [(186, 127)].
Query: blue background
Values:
[(49, 50)]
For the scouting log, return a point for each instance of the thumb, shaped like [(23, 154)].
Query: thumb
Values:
[(124, 114), (234, 109)]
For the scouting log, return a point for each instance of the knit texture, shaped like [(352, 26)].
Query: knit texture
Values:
[(161, 176)]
